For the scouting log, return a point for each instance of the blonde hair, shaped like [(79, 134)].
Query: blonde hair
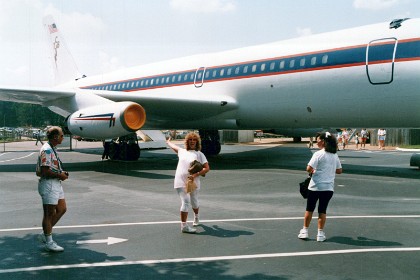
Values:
[(192, 135)]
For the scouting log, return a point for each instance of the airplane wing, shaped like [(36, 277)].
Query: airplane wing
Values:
[(158, 106), (33, 95), (179, 106), (61, 101)]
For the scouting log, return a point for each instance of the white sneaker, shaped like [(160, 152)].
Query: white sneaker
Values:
[(321, 236), (196, 221), (53, 247), (303, 234), (188, 229), (41, 238)]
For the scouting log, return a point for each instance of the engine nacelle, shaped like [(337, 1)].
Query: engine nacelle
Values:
[(107, 121)]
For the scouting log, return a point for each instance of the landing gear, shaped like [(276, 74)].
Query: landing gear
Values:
[(297, 139), (210, 142), (126, 148)]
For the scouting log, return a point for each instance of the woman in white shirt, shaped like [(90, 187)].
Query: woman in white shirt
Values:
[(323, 166), (191, 152)]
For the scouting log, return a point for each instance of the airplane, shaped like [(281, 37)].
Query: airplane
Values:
[(359, 77)]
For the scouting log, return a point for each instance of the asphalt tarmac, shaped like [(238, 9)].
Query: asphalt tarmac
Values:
[(251, 212)]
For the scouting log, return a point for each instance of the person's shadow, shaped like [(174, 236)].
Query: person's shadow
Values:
[(362, 241), (217, 231)]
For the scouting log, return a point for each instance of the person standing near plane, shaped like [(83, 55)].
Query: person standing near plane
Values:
[(363, 134), (38, 138), (191, 152), (381, 138), (50, 170), (323, 166)]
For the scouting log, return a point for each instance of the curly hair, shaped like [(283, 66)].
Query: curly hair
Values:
[(331, 145), (192, 135)]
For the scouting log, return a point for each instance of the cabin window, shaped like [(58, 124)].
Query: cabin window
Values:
[(246, 69), (237, 69), (229, 71), (214, 73), (262, 67), (292, 63), (222, 72), (207, 75), (272, 66), (254, 68), (146, 83), (302, 62), (179, 78), (282, 64), (200, 74), (325, 59)]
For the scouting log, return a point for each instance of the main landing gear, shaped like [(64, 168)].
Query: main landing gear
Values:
[(210, 142), (125, 148)]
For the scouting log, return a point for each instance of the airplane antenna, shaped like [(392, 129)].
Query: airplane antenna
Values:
[(396, 23)]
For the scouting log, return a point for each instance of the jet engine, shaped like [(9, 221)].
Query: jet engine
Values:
[(106, 121)]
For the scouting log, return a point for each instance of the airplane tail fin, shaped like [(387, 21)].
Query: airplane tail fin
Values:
[(65, 69)]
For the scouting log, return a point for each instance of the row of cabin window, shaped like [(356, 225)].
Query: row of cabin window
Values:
[(212, 73)]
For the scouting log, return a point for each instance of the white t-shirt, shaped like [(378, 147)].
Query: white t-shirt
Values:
[(325, 165), (185, 158)]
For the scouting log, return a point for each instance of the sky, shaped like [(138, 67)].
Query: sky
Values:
[(106, 35)]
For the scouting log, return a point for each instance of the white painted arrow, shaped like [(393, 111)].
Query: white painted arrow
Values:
[(109, 241)]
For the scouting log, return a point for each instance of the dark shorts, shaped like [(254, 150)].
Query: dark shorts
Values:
[(323, 197)]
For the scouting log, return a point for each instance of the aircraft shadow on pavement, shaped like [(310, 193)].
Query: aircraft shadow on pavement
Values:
[(291, 158), (362, 241), (27, 252), (217, 231)]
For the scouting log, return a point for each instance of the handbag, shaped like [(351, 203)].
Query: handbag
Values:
[(303, 187), (195, 166), (190, 186)]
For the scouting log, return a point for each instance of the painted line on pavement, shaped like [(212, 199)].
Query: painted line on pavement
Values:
[(208, 259), (12, 159)]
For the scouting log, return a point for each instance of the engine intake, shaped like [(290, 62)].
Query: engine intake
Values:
[(107, 121)]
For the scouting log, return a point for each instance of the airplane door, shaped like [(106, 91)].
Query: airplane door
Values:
[(199, 77), (380, 57)]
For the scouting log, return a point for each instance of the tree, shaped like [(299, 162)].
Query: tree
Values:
[(24, 115)]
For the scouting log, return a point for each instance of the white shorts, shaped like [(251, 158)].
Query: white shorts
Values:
[(50, 191)]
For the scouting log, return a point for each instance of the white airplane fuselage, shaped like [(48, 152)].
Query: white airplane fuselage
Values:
[(361, 77), (367, 76)]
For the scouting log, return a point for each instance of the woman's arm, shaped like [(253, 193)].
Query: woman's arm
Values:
[(206, 168), (172, 145), (310, 169)]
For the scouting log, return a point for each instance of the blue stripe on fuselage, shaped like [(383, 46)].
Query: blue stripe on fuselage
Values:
[(336, 58)]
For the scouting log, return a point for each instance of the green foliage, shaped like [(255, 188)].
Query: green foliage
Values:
[(27, 115)]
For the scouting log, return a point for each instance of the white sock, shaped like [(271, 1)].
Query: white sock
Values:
[(48, 237)]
